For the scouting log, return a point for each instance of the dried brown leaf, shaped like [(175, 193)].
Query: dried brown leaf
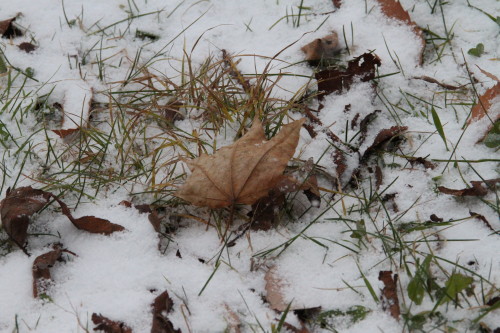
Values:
[(382, 137), (109, 326), (9, 30), (274, 293), (393, 9), (337, 3), (322, 48), (435, 218), (421, 161), (488, 74), (243, 172), (162, 305), (16, 210), (336, 80), (41, 269), (234, 322), (478, 189), (27, 47), (482, 219), (484, 104), (390, 299), (19, 205)]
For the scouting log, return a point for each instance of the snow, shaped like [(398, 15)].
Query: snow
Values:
[(120, 275)]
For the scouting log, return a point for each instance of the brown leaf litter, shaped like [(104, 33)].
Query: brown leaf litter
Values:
[(20, 204), (162, 305), (243, 172), (478, 188), (390, 301), (109, 326), (41, 269)]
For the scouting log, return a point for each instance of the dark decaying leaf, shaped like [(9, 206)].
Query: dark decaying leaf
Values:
[(162, 305), (266, 210), (390, 299), (9, 30), (379, 177), (322, 48), (41, 269), (16, 210), (478, 189), (482, 219), (337, 3), (20, 204), (421, 161), (435, 218), (363, 125), (382, 137), (27, 47), (109, 326), (336, 80)]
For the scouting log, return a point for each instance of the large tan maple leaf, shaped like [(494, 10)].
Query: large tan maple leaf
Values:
[(243, 172)]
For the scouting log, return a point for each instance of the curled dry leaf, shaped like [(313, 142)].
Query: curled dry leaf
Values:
[(484, 104), (274, 292), (478, 189), (162, 305), (394, 10), (243, 172), (19, 205), (482, 219), (382, 137), (390, 299), (9, 30), (336, 80), (109, 326), (41, 269), (322, 48)]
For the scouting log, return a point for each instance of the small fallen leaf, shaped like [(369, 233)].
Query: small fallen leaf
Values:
[(27, 47), (243, 172), (389, 297), (480, 109), (420, 160), (322, 48), (19, 205), (41, 269), (109, 326), (162, 305), (394, 10), (482, 219), (9, 30), (435, 218), (478, 189), (382, 137), (274, 290), (336, 80)]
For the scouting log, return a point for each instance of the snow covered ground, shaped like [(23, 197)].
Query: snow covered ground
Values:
[(96, 65)]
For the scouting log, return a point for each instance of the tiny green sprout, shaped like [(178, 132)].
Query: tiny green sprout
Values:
[(477, 51), (30, 72)]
